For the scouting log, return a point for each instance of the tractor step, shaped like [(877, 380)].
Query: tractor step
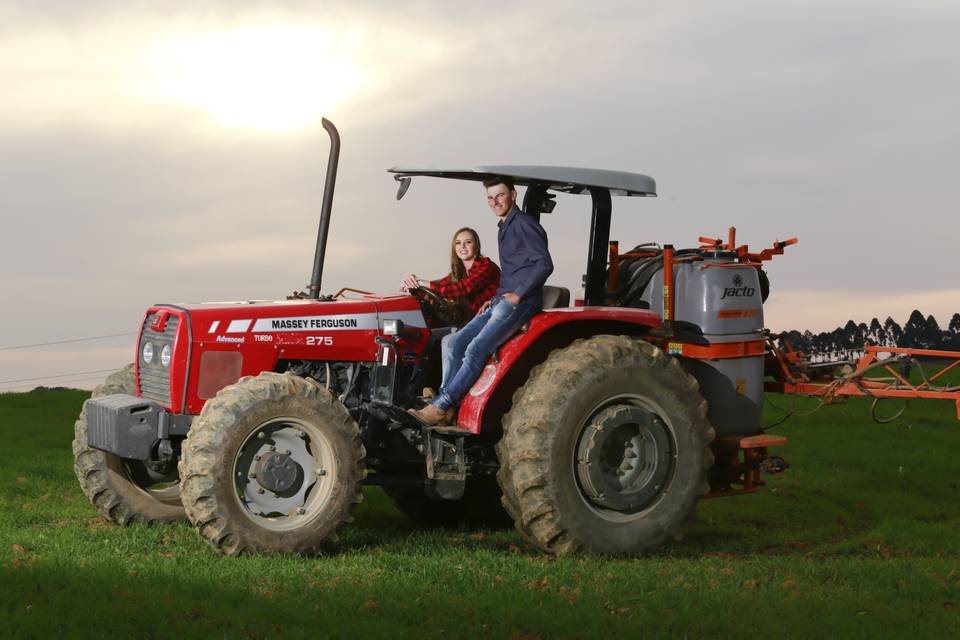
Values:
[(741, 462), (446, 462), (394, 414), (759, 441), (450, 430)]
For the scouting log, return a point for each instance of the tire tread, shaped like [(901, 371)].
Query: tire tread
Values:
[(528, 434)]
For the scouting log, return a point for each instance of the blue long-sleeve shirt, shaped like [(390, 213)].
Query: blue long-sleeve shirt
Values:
[(525, 262)]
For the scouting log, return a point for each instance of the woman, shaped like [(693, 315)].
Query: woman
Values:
[(473, 278)]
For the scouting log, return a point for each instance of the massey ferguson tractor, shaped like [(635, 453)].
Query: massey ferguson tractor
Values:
[(597, 428)]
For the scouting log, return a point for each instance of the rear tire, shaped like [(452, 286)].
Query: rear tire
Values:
[(121, 490), (605, 449), (273, 464)]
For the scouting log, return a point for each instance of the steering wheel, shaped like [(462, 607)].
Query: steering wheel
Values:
[(433, 305), (428, 293)]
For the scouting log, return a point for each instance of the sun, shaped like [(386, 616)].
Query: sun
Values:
[(271, 78)]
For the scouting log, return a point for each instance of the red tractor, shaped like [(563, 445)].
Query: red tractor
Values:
[(596, 428)]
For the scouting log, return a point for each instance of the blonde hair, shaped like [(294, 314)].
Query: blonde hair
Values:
[(457, 271)]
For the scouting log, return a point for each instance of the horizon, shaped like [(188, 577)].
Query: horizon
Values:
[(52, 384)]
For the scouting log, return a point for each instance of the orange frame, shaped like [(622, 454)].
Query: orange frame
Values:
[(855, 384)]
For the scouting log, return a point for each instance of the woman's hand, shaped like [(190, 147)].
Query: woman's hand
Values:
[(410, 282)]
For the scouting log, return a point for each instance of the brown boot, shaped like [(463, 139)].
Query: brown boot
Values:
[(430, 415), (449, 423)]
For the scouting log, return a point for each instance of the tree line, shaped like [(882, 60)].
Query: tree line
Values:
[(920, 332)]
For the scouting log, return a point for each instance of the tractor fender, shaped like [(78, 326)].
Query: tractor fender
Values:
[(490, 396)]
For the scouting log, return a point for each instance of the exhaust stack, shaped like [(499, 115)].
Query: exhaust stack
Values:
[(325, 208)]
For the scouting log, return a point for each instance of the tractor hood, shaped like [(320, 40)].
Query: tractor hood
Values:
[(245, 318)]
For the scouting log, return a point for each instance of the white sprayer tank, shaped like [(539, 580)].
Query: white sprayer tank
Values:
[(721, 298)]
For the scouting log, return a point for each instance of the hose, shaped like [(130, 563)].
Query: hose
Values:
[(636, 273), (791, 413), (907, 362)]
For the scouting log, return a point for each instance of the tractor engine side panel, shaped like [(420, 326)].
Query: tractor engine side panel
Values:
[(232, 341)]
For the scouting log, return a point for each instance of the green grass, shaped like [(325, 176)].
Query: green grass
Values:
[(859, 538)]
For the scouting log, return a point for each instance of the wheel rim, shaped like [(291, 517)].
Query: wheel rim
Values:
[(161, 487), (624, 458), (284, 473)]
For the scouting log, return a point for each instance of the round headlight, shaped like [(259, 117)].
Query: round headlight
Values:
[(148, 352), (165, 355)]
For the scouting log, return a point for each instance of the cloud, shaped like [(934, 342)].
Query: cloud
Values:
[(205, 70)]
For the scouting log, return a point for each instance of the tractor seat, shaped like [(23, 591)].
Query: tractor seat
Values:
[(555, 297)]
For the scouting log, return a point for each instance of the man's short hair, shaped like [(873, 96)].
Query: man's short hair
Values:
[(495, 180)]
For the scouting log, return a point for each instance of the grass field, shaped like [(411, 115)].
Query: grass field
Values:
[(860, 538)]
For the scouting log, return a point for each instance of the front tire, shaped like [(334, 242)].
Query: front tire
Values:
[(273, 464), (605, 449), (122, 490)]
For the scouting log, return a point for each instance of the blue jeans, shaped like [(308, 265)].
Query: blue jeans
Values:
[(471, 347), (446, 357)]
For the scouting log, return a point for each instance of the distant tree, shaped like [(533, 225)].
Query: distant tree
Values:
[(876, 335), (848, 335), (817, 342), (953, 332), (914, 330), (954, 327), (838, 339), (893, 331), (824, 342), (795, 338), (933, 337), (919, 332)]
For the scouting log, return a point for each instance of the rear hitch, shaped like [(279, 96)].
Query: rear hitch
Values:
[(773, 465)]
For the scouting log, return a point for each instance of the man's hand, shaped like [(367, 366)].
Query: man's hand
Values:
[(511, 297), (409, 282)]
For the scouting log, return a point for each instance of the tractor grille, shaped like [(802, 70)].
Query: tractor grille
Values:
[(155, 385), (154, 377)]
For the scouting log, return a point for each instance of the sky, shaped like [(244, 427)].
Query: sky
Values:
[(172, 152)]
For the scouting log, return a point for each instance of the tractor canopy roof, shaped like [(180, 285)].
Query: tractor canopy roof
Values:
[(565, 179)]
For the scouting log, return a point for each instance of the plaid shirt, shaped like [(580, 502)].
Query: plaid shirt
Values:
[(479, 285)]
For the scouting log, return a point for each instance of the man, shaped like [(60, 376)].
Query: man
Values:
[(525, 265)]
